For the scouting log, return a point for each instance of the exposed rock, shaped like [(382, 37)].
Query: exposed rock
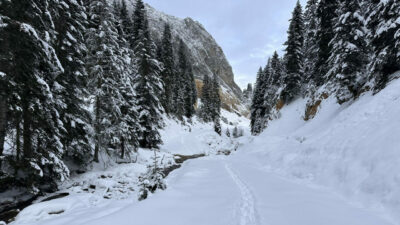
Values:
[(56, 212), (206, 55), (313, 106), (229, 101)]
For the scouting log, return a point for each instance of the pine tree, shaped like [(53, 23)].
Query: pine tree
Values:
[(210, 102), (105, 64), (127, 122), (272, 81), (205, 108), (216, 105), (138, 21), (191, 93), (349, 51), (188, 84), (248, 92), (257, 113), (168, 73), (310, 48), (217, 126), (326, 13), (126, 24), (386, 43), (274, 71), (116, 11), (5, 84), (128, 125), (148, 84), (179, 84), (152, 180), (372, 9), (294, 56), (32, 68), (70, 24)]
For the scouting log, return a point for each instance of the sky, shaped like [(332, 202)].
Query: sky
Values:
[(249, 31)]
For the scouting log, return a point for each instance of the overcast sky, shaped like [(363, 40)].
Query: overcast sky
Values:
[(247, 30)]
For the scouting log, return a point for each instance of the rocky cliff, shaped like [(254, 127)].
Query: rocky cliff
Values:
[(205, 54)]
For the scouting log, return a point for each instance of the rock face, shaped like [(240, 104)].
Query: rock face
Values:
[(205, 54)]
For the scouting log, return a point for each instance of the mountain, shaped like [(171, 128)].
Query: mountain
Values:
[(206, 55)]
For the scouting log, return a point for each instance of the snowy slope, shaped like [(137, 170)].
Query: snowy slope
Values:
[(354, 149), (341, 168), (109, 187)]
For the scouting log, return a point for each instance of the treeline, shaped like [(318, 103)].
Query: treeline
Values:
[(80, 79), (334, 47)]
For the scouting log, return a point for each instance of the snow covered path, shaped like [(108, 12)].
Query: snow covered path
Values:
[(228, 191)]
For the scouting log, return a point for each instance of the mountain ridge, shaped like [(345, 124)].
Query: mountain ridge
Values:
[(207, 56)]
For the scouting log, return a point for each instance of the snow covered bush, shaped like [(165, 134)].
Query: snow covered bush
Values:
[(152, 180)]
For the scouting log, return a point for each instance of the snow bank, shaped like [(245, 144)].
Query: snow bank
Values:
[(352, 148)]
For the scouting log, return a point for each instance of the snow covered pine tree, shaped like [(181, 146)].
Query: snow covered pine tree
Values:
[(294, 56), (349, 51), (148, 84), (31, 69)]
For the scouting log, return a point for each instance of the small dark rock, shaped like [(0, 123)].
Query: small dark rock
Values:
[(57, 196), (80, 171), (92, 186), (56, 212)]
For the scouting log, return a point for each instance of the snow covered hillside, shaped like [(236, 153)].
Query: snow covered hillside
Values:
[(352, 148), (338, 169), (111, 185), (244, 188)]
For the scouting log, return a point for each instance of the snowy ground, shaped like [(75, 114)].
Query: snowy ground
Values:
[(110, 185), (223, 190), (353, 149), (341, 168)]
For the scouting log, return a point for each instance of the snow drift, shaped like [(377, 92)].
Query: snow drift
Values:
[(352, 148)]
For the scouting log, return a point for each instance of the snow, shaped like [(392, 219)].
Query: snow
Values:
[(340, 168), (353, 148), (217, 191), (29, 29), (198, 138), (110, 186)]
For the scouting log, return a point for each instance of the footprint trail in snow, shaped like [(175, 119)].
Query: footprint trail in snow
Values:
[(247, 211)]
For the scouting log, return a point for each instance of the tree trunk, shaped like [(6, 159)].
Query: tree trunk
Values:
[(18, 140), (97, 130), (122, 147), (3, 122), (27, 132)]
